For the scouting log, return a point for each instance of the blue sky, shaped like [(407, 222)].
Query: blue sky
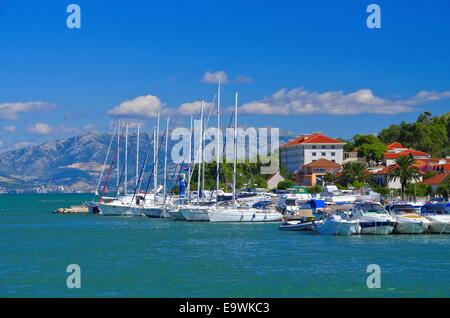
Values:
[(339, 76)]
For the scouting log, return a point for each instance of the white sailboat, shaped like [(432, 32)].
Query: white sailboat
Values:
[(119, 205), (237, 213)]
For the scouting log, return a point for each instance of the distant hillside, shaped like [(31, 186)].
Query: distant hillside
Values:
[(72, 161)]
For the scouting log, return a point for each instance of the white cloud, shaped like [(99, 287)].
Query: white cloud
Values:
[(193, 108), (244, 79), (215, 77), (300, 101), (143, 106), (11, 111), (39, 129), (9, 129)]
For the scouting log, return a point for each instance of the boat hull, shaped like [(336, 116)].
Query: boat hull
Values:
[(114, 210), (244, 216), (196, 215), (440, 227), (343, 228), (377, 227), (408, 227)]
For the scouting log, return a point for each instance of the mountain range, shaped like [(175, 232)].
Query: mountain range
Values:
[(76, 162)]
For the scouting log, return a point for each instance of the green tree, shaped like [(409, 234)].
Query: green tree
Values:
[(404, 170), (369, 147), (285, 184), (353, 172)]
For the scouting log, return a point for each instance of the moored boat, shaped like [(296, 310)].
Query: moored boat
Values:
[(408, 220), (373, 218), (336, 225), (439, 217)]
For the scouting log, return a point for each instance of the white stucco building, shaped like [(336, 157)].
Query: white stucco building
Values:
[(308, 148)]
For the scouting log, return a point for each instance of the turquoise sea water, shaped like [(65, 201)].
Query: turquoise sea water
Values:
[(143, 257)]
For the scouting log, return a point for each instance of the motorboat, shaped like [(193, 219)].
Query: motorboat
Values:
[(439, 217), (331, 193), (372, 218), (303, 224), (336, 225), (409, 221)]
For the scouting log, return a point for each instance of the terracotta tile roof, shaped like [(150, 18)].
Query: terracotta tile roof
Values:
[(414, 153), (323, 163), (437, 179), (395, 145), (379, 170), (313, 139)]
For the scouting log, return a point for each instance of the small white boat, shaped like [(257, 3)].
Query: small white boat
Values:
[(373, 218), (439, 217), (300, 225), (408, 220), (336, 225), (331, 193)]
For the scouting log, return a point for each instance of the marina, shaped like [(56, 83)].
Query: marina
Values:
[(146, 257)]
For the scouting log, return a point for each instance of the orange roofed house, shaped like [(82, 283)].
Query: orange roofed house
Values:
[(318, 168), (299, 153)]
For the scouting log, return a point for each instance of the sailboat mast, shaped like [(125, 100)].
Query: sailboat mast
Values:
[(165, 160), (235, 148), (189, 161), (137, 154), (126, 160), (154, 163), (201, 152), (157, 159), (155, 168), (118, 158), (106, 159), (218, 146)]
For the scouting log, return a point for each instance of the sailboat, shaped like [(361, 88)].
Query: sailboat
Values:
[(195, 210), (119, 205), (154, 206), (238, 212)]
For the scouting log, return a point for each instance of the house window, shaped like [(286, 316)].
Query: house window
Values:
[(313, 147), (333, 160), (333, 154), (314, 154), (323, 147), (323, 153), (333, 147)]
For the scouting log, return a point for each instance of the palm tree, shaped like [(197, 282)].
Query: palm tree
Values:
[(404, 170), (360, 172), (353, 171), (346, 175)]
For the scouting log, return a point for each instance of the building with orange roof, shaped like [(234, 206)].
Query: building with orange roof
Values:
[(318, 168), (438, 179), (396, 150), (309, 148)]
